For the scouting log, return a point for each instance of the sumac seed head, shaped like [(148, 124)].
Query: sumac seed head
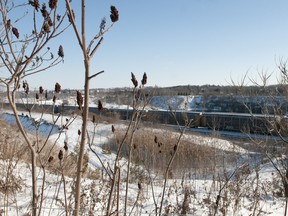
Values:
[(15, 32), (50, 159), (61, 51), (60, 155), (114, 16), (100, 106), (57, 87), (53, 4), (79, 99), (8, 24), (134, 80), (144, 79), (41, 90)]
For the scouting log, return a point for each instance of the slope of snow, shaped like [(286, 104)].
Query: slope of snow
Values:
[(253, 188)]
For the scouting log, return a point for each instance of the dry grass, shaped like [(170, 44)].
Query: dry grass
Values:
[(14, 147), (153, 148)]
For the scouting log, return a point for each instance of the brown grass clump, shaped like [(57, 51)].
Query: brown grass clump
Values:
[(153, 149), (13, 147)]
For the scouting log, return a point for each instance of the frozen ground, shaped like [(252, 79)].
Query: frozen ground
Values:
[(249, 192)]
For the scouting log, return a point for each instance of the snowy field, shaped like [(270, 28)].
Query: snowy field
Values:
[(244, 188)]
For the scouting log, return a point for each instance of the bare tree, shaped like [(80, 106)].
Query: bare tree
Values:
[(24, 51), (273, 103), (88, 51)]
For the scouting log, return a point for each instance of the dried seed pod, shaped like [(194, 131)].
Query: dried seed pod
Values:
[(57, 87), (53, 4), (46, 27), (100, 107), (61, 51), (15, 32), (50, 159), (144, 79), (113, 129), (133, 79), (24, 84), (156, 139), (114, 16), (8, 24), (25, 87), (79, 132), (65, 146), (44, 12), (60, 155), (49, 21), (35, 4), (73, 16), (41, 90), (175, 147), (79, 99), (103, 24)]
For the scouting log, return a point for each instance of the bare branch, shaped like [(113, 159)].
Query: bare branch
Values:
[(94, 75)]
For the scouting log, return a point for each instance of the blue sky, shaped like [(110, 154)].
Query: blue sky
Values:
[(181, 42)]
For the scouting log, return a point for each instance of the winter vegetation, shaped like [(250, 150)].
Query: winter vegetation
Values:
[(83, 163)]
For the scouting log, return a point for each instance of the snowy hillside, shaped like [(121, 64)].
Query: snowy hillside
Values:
[(239, 183)]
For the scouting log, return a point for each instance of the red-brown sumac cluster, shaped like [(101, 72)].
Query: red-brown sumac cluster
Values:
[(25, 87), (100, 106), (35, 4), (61, 51), (114, 16), (53, 4), (144, 79), (159, 144), (135, 82), (41, 90), (15, 32), (8, 24), (44, 11), (57, 87), (79, 99), (60, 155), (50, 159)]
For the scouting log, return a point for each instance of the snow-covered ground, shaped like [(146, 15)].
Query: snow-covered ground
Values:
[(255, 191)]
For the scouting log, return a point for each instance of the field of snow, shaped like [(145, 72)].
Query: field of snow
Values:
[(241, 189)]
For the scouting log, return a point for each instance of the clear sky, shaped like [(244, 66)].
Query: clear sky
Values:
[(177, 42)]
